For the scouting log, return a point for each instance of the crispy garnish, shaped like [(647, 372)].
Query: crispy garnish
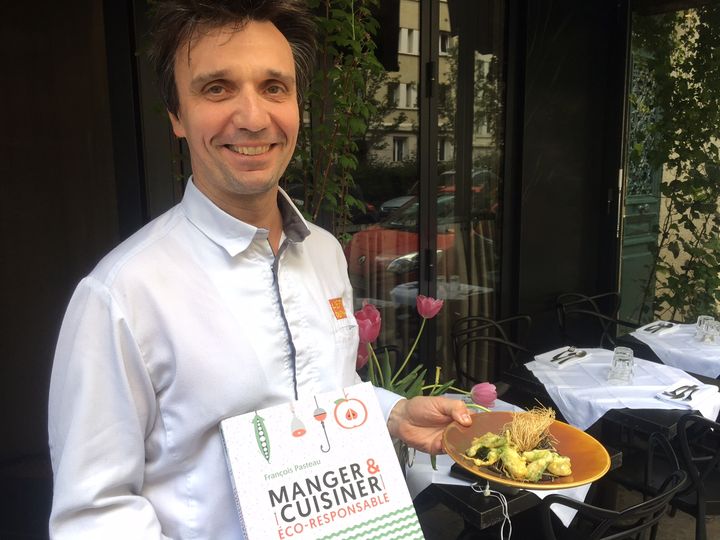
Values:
[(529, 430)]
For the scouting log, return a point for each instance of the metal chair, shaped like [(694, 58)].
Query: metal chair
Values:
[(595, 523), (589, 321), (698, 447), (699, 440), (469, 332)]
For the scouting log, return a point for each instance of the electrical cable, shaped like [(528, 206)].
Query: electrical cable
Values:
[(487, 492)]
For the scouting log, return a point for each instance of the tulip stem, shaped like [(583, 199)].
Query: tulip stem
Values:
[(409, 354), (473, 405), (476, 406), (374, 361)]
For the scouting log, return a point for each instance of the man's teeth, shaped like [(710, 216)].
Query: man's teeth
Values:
[(249, 150)]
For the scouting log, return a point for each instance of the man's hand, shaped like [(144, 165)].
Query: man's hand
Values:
[(420, 421)]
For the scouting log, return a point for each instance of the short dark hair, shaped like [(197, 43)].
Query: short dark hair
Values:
[(175, 22)]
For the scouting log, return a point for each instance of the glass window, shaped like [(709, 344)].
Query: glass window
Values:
[(671, 215), (409, 41), (444, 43), (394, 94), (445, 150), (471, 120), (399, 148), (383, 253)]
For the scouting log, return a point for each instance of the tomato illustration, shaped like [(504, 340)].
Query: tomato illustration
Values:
[(350, 413)]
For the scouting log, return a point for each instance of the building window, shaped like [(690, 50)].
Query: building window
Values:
[(410, 96), (403, 95), (445, 149), (394, 94), (443, 94), (444, 42), (481, 125), (399, 148), (409, 41)]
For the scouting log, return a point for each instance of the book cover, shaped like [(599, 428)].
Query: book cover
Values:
[(319, 468)]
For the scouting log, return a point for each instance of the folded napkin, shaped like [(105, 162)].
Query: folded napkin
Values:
[(703, 397), (659, 328), (563, 357)]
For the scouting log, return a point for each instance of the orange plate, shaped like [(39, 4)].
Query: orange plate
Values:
[(588, 458)]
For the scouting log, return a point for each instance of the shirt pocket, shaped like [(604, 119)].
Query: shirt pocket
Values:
[(346, 333)]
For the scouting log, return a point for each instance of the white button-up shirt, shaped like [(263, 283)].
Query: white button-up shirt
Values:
[(191, 320)]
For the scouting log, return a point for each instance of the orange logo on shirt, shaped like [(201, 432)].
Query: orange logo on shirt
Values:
[(338, 308)]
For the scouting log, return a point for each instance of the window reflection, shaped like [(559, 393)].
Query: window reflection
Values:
[(383, 257), (671, 219)]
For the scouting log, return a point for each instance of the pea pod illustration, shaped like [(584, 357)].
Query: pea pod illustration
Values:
[(261, 436)]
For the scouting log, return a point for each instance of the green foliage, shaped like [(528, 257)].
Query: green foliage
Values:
[(409, 385), (341, 105), (380, 374), (683, 54)]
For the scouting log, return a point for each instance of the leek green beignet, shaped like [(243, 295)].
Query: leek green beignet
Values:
[(525, 452)]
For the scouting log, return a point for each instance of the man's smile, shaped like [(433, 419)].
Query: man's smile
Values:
[(249, 150)]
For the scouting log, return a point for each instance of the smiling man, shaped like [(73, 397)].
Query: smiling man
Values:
[(239, 114), (227, 303)]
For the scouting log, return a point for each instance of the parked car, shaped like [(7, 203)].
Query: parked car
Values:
[(386, 254), (482, 179), (390, 206)]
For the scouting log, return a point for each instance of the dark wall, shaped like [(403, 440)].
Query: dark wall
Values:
[(57, 205), (570, 136)]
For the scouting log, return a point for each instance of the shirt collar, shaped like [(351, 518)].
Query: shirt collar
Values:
[(233, 235)]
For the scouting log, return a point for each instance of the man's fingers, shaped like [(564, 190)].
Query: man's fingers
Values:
[(460, 413)]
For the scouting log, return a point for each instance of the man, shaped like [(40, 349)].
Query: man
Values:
[(227, 303)]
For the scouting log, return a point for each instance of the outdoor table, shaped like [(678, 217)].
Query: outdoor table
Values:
[(581, 392), (677, 346), (526, 390)]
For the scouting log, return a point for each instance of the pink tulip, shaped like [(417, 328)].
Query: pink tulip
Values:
[(368, 319), (362, 356), (484, 394), (428, 306)]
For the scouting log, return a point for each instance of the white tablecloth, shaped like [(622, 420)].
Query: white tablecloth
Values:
[(421, 475), (582, 394), (681, 350)]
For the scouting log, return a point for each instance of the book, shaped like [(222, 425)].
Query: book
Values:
[(319, 468)]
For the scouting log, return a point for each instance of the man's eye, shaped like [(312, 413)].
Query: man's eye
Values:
[(215, 90), (275, 89)]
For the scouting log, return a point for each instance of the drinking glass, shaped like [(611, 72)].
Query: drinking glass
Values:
[(621, 371), (701, 326), (712, 331)]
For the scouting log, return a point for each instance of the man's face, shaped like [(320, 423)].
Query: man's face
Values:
[(238, 109)]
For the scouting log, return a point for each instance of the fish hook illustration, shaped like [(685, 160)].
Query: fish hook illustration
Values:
[(320, 416)]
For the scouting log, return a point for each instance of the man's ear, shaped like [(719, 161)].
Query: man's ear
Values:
[(177, 126)]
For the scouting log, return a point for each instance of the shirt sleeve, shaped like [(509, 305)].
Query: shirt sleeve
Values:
[(387, 400), (101, 406)]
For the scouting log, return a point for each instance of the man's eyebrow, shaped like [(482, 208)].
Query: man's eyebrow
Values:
[(201, 79), (287, 78)]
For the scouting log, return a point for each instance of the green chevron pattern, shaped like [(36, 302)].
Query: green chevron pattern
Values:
[(383, 527)]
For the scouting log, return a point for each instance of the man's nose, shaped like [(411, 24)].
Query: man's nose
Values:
[(250, 111)]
